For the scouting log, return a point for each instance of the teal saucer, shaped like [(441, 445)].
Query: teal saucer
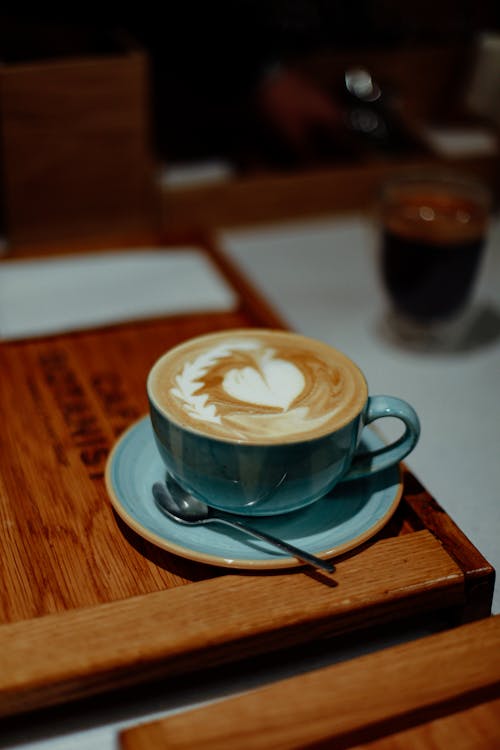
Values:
[(342, 520)]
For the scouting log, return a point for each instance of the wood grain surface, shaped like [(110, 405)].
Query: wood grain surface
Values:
[(61, 657), (65, 401), (476, 728), (356, 701)]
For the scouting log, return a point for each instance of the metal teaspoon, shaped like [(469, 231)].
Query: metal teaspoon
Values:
[(184, 508)]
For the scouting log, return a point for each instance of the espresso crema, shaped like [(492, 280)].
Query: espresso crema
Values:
[(258, 386)]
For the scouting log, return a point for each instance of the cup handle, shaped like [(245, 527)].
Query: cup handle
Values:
[(368, 462)]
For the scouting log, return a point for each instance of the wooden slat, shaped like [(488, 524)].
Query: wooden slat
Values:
[(309, 194), (479, 574), (60, 657), (476, 728), (345, 704)]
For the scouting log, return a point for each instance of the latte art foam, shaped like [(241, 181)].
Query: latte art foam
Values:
[(258, 386)]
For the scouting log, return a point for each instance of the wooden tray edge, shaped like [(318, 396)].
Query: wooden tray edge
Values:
[(60, 658)]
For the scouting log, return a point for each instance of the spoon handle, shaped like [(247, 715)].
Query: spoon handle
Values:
[(300, 554)]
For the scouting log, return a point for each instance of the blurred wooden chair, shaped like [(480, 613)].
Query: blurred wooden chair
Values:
[(75, 149)]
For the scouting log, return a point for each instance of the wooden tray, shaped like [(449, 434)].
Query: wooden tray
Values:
[(74, 576), (340, 706)]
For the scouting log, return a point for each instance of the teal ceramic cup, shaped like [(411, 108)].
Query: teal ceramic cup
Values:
[(252, 478)]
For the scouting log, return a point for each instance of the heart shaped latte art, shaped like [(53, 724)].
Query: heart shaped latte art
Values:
[(277, 383)]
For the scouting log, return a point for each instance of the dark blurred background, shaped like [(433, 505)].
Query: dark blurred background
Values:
[(93, 103), (208, 60)]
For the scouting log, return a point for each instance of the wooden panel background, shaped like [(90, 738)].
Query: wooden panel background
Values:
[(75, 147)]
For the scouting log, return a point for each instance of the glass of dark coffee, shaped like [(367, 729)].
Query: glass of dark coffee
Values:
[(432, 234)]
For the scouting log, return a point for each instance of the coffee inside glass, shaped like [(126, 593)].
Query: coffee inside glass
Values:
[(433, 231)]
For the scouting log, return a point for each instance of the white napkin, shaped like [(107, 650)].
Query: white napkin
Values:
[(197, 174), (461, 142), (65, 293)]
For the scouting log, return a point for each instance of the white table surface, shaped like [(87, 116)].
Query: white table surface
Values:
[(322, 277)]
